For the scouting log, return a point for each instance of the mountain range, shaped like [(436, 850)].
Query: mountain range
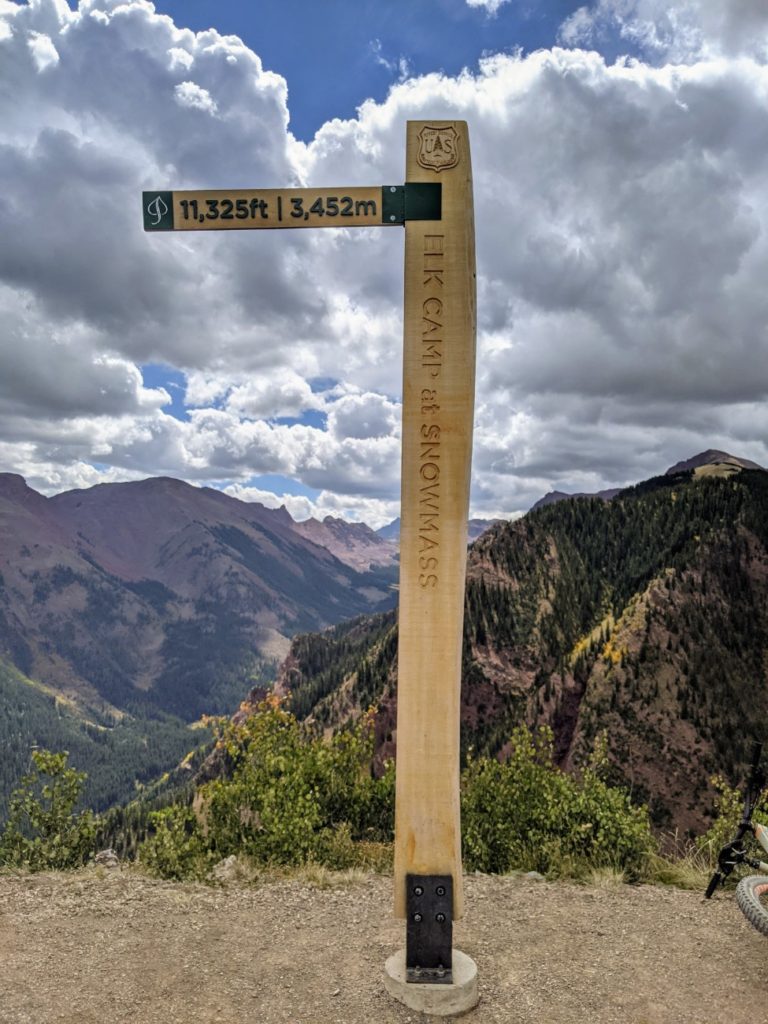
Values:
[(475, 527), (128, 610), (644, 617), (168, 594), (719, 461)]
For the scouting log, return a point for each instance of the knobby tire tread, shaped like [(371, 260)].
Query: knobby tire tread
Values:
[(749, 901)]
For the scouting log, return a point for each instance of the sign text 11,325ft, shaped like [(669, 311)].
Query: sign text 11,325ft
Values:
[(264, 208)]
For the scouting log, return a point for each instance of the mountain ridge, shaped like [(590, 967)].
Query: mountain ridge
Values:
[(646, 616), (132, 591), (474, 528), (710, 458), (156, 597)]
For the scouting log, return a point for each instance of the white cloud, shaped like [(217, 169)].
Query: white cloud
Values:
[(44, 53), (281, 394), (51, 371), (191, 95), (180, 58), (684, 31), (341, 506), (622, 236), (491, 6), (398, 67), (364, 416)]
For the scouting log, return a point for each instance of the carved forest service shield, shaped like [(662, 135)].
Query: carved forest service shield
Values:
[(438, 148)]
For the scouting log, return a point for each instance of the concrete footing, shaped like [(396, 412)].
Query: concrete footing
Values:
[(439, 1000)]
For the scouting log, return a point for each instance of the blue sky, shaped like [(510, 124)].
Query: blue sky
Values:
[(336, 53), (619, 152)]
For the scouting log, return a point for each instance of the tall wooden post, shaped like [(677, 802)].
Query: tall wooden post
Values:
[(435, 205), (438, 406)]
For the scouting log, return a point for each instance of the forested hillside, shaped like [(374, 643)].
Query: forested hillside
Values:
[(135, 748), (645, 616)]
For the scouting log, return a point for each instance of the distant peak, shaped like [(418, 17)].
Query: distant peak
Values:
[(163, 482), (13, 485), (555, 496), (150, 483), (391, 531), (711, 457), (12, 480), (551, 498)]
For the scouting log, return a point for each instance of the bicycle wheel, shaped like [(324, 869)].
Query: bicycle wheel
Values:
[(752, 897)]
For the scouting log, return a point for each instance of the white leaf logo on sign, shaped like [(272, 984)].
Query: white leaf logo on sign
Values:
[(157, 209)]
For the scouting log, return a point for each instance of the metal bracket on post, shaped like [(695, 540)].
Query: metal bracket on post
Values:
[(429, 930), (415, 200)]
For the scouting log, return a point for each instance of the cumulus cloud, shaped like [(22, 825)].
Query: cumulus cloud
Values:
[(491, 6), (364, 416), (684, 31), (278, 395), (622, 236), (189, 94), (50, 371), (374, 513), (44, 53)]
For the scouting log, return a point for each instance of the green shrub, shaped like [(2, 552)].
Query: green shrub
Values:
[(291, 798), (42, 832), (729, 804), (527, 814), (177, 849)]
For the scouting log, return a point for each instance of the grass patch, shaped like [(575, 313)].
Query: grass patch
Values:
[(684, 864)]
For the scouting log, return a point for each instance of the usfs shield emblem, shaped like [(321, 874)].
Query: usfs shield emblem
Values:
[(439, 148)]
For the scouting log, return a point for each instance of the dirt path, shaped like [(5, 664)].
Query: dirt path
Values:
[(119, 948)]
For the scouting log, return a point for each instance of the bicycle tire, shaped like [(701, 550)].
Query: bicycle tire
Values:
[(750, 893)]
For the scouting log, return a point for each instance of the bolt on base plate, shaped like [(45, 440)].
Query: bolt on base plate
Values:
[(429, 929)]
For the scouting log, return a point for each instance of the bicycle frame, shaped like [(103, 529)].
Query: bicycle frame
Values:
[(733, 853), (760, 833)]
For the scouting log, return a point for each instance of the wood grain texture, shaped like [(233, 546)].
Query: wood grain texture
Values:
[(438, 409)]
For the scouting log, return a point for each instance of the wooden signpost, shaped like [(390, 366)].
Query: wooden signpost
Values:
[(435, 206)]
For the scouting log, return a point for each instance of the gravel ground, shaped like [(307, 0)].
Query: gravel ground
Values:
[(117, 947)]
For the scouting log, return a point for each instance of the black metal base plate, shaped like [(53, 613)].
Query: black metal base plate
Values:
[(429, 931)]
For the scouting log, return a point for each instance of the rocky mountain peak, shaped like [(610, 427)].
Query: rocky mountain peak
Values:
[(15, 487), (712, 456)]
